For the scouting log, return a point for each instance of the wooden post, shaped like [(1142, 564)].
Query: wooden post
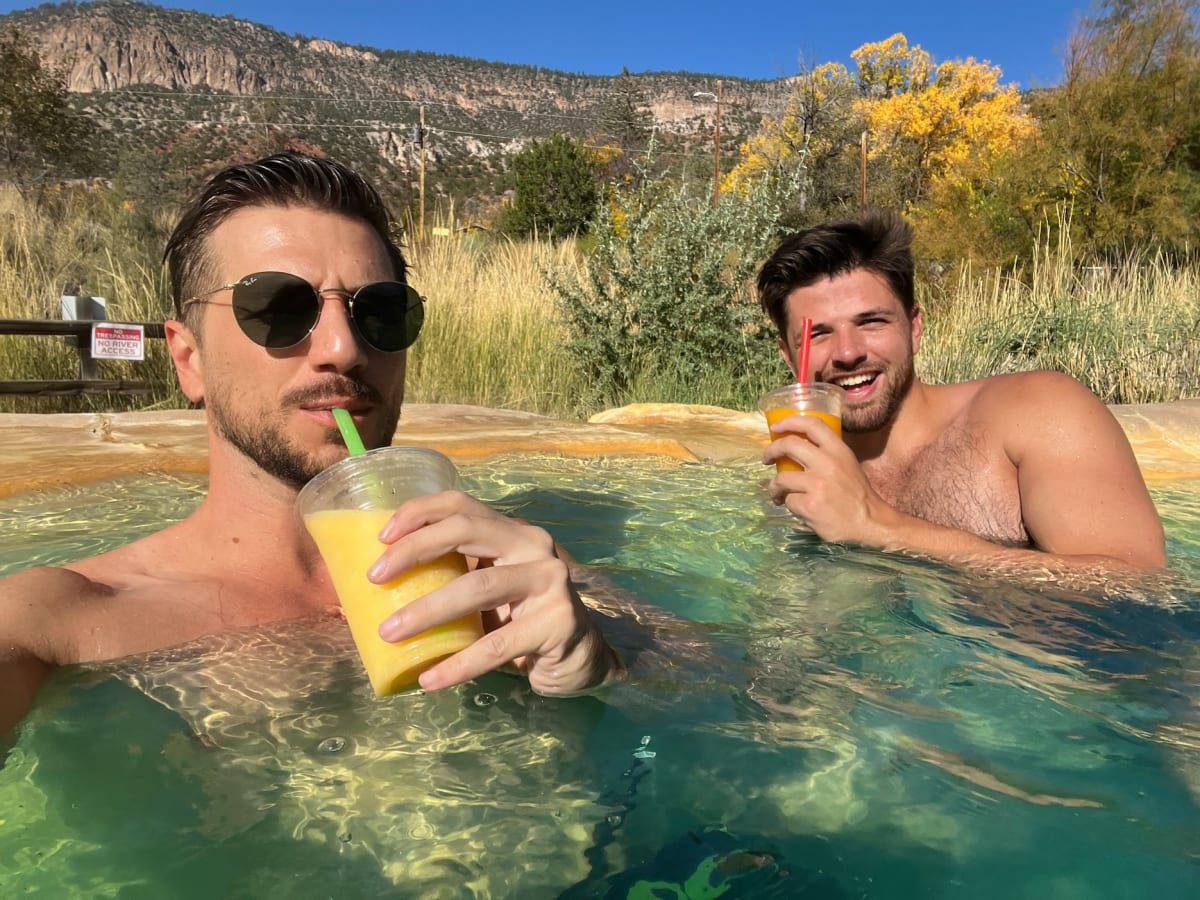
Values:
[(716, 191), (862, 173), (421, 180), (81, 308)]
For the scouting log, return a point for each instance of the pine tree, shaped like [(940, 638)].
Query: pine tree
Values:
[(555, 182)]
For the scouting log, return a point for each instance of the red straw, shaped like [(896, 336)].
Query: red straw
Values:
[(805, 343)]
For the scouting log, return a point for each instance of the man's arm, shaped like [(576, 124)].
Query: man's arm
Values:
[(21, 674), (32, 634), (1082, 494), (1082, 497)]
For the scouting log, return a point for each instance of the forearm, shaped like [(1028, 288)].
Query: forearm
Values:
[(903, 533), (21, 676)]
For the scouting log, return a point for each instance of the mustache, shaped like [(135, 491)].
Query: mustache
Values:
[(339, 387)]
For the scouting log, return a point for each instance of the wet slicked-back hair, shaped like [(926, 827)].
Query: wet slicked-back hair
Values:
[(878, 241), (285, 179)]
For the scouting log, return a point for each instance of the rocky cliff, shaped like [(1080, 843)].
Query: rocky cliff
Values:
[(151, 77)]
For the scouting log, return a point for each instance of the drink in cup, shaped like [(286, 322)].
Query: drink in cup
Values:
[(809, 398), (344, 508)]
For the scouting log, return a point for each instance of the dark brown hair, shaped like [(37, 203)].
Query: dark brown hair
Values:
[(877, 241), (285, 179)]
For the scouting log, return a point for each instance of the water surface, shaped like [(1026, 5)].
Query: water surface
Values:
[(819, 721)]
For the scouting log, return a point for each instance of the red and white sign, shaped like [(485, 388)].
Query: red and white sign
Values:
[(112, 341)]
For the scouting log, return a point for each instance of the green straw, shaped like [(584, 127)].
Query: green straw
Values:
[(345, 425)]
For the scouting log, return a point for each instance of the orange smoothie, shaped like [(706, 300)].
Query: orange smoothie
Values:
[(780, 413), (349, 544)]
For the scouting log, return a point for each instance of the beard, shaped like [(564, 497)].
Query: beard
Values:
[(262, 438), (881, 409)]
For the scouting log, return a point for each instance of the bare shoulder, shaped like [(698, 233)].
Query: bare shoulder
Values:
[(36, 610), (49, 585), (1037, 389), (1082, 493), (1036, 407), (38, 630)]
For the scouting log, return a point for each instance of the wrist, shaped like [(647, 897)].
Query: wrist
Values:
[(595, 666), (885, 525)]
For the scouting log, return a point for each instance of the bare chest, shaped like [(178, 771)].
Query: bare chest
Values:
[(961, 480), (139, 612)]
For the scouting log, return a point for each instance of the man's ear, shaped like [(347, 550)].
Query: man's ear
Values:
[(917, 329), (788, 356), (185, 354)]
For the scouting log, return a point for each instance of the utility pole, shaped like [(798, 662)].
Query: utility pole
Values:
[(421, 178), (709, 95), (717, 149), (862, 173)]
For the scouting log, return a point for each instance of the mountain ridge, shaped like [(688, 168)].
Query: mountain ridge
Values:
[(150, 75)]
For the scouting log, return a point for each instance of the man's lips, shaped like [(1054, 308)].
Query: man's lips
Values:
[(856, 385), (328, 405), (323, 411)]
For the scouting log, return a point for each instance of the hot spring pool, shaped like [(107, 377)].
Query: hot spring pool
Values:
[(824, 722)]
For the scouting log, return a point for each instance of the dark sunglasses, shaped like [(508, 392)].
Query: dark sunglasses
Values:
[(277, 310)]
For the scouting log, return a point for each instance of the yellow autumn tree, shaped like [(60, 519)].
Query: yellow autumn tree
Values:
[(941, 135), (940, 138), (817, 134), (943, 122)]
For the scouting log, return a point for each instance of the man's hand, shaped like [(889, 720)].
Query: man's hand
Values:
[(831, 495), (533, 617)]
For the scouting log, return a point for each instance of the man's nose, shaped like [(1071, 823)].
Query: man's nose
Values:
[(335, 343), (848, 348)]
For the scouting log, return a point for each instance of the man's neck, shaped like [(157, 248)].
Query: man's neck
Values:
[(912, 427), (253, 515)]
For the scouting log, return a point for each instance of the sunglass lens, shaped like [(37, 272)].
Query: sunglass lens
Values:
[(275, 309), (389, 315)]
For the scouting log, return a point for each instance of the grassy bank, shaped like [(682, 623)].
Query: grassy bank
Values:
[(1130, 332), (494, 337)]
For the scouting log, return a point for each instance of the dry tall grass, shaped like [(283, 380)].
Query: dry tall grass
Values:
[(79, 241), (493, 335), (1130, 332)]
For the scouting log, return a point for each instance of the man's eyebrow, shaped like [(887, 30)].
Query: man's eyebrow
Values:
[(862, 315), (878, 311)]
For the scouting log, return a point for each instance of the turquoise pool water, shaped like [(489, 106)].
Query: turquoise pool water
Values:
[(817, 722)]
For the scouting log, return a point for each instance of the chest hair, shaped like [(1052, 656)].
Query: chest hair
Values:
[(958, 481)]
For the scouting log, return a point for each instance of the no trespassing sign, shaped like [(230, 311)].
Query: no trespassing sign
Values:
[(110, 341)]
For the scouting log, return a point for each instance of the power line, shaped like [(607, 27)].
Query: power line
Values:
[(265, 98), (262, 123)]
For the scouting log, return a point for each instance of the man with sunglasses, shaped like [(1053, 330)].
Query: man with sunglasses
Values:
[(290, 301)]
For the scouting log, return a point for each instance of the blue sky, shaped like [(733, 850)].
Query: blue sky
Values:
[(1025, 38)]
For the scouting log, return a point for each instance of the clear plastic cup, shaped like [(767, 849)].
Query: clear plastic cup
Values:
[(810, 398), (344, 508)]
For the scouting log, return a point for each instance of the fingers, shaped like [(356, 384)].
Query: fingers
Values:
[(806, 426), (547, 621), (425, 528), (798, 438), (431, 508), (520, 585), (487, 588), (542, 624), (792, 447)]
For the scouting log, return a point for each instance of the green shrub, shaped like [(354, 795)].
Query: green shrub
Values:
[(667, 298)]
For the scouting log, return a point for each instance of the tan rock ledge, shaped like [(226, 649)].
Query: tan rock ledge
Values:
[(47, 450)]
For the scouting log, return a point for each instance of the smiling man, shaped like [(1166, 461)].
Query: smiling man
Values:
[(1024, 467), (290, 300)]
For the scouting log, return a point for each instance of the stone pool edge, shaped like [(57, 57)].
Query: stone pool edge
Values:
[(41, 450)]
